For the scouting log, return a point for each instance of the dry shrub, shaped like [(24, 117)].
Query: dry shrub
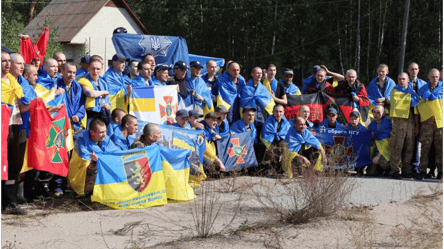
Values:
[(311, 195), (363, 230), (425, 229), (207, 207)]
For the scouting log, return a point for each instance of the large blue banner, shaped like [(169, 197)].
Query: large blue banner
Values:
[(236, 151), (346, 149), (165, 49)]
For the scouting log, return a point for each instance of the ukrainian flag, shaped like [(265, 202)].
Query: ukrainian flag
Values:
[(253, 96), (431, 103), (143, 104)]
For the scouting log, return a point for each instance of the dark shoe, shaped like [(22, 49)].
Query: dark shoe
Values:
[(439, 176), (387, 173), (421, 176), (13, 208), (396, 176)]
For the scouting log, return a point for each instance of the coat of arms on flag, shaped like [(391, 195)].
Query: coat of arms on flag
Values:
[(236, 151), (138, 172)]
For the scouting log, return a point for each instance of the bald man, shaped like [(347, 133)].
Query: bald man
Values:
[(151, 134), (298, 140), (380, 128), (61, 60), (121, 136)]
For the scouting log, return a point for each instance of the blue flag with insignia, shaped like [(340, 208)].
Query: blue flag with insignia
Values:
[(236, 151)]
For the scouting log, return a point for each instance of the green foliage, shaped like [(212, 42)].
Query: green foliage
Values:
[(10, 30)]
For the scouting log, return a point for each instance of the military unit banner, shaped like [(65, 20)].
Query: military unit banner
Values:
[(156, 104), (236, 151), (345, 149)]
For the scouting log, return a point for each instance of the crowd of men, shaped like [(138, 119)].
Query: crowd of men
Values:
[(222, 105)]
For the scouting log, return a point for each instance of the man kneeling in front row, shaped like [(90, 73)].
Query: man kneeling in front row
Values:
[(303, 145), (151, 134)]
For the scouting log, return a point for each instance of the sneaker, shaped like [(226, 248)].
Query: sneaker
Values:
[(421, 176), (13, 208), (396, 176)]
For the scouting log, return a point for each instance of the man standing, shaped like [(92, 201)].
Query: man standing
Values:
[(61, 60), (133, 69), (210, 78), (320, 81), (230, 85), (74, 97), (180, 70), (402, 99), (47, 81), (430, 111), (380, 89), (161, 75), (97, 103), (144, 75), (311, 78), (83, 70), (121, 136), (198, 89), (118, 83), (256, 95), (275, 88), (151, 134), (287, 81), (150, 59)]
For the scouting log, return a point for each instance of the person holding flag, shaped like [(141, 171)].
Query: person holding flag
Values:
[(46, 85), (301, 145), (246, 123), (402, 101), (430, 111), (256, 95), (330, 121), (198, 89), (320, 82), (380, 128), (161, 75), (275, 127), (380, 89), (355, 122), (82, 166), (275, 88)]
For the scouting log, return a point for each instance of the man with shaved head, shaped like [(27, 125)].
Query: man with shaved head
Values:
[(61, 60), (230, 85), (47, 81), (415, 82), (380, 128), (151, 134), (402, 101), (298, 140), (430, 112), (304, 112), (121, 136)]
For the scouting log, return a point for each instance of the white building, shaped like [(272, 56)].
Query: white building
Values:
[(86, 24)]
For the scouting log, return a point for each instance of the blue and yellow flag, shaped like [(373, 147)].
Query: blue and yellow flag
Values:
[(382, 136), (431, 103), (236, 151), (118, 85), (130, 179), (256, 96), (401, 100)]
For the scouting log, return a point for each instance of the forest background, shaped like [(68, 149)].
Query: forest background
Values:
[(340, 34)]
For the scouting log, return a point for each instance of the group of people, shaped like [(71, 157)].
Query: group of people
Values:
[(220, 105)]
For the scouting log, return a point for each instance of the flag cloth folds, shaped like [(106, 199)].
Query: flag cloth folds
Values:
[(29, 51), (118, 85), (166, 50), (382, 136), (6, 114), (130, 179), (156, 104), (313, 101), (236, 151), (431, 103), (49, 140)]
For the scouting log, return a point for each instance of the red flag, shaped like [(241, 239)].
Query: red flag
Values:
[(29, 51), (6, 114), (47, 147)]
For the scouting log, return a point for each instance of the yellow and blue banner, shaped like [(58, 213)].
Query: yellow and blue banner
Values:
[(154, 104), (236, 151), (142, 177)]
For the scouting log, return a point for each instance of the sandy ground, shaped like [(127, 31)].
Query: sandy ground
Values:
[(73, 223)]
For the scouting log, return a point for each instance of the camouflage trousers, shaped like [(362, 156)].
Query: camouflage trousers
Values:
[(402, 139), (90, 178), (430, 133), (378, 169)]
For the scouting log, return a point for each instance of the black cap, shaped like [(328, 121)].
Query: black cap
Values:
[(248, 108), (288, 71), (120, 57), (316, 69), (182, 113), (194, 113), (180, 65), (120, 30), (85, 59), (221, 109), (161, 67), (332, 111), (196, 64), (356, 113), (211, 115)]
